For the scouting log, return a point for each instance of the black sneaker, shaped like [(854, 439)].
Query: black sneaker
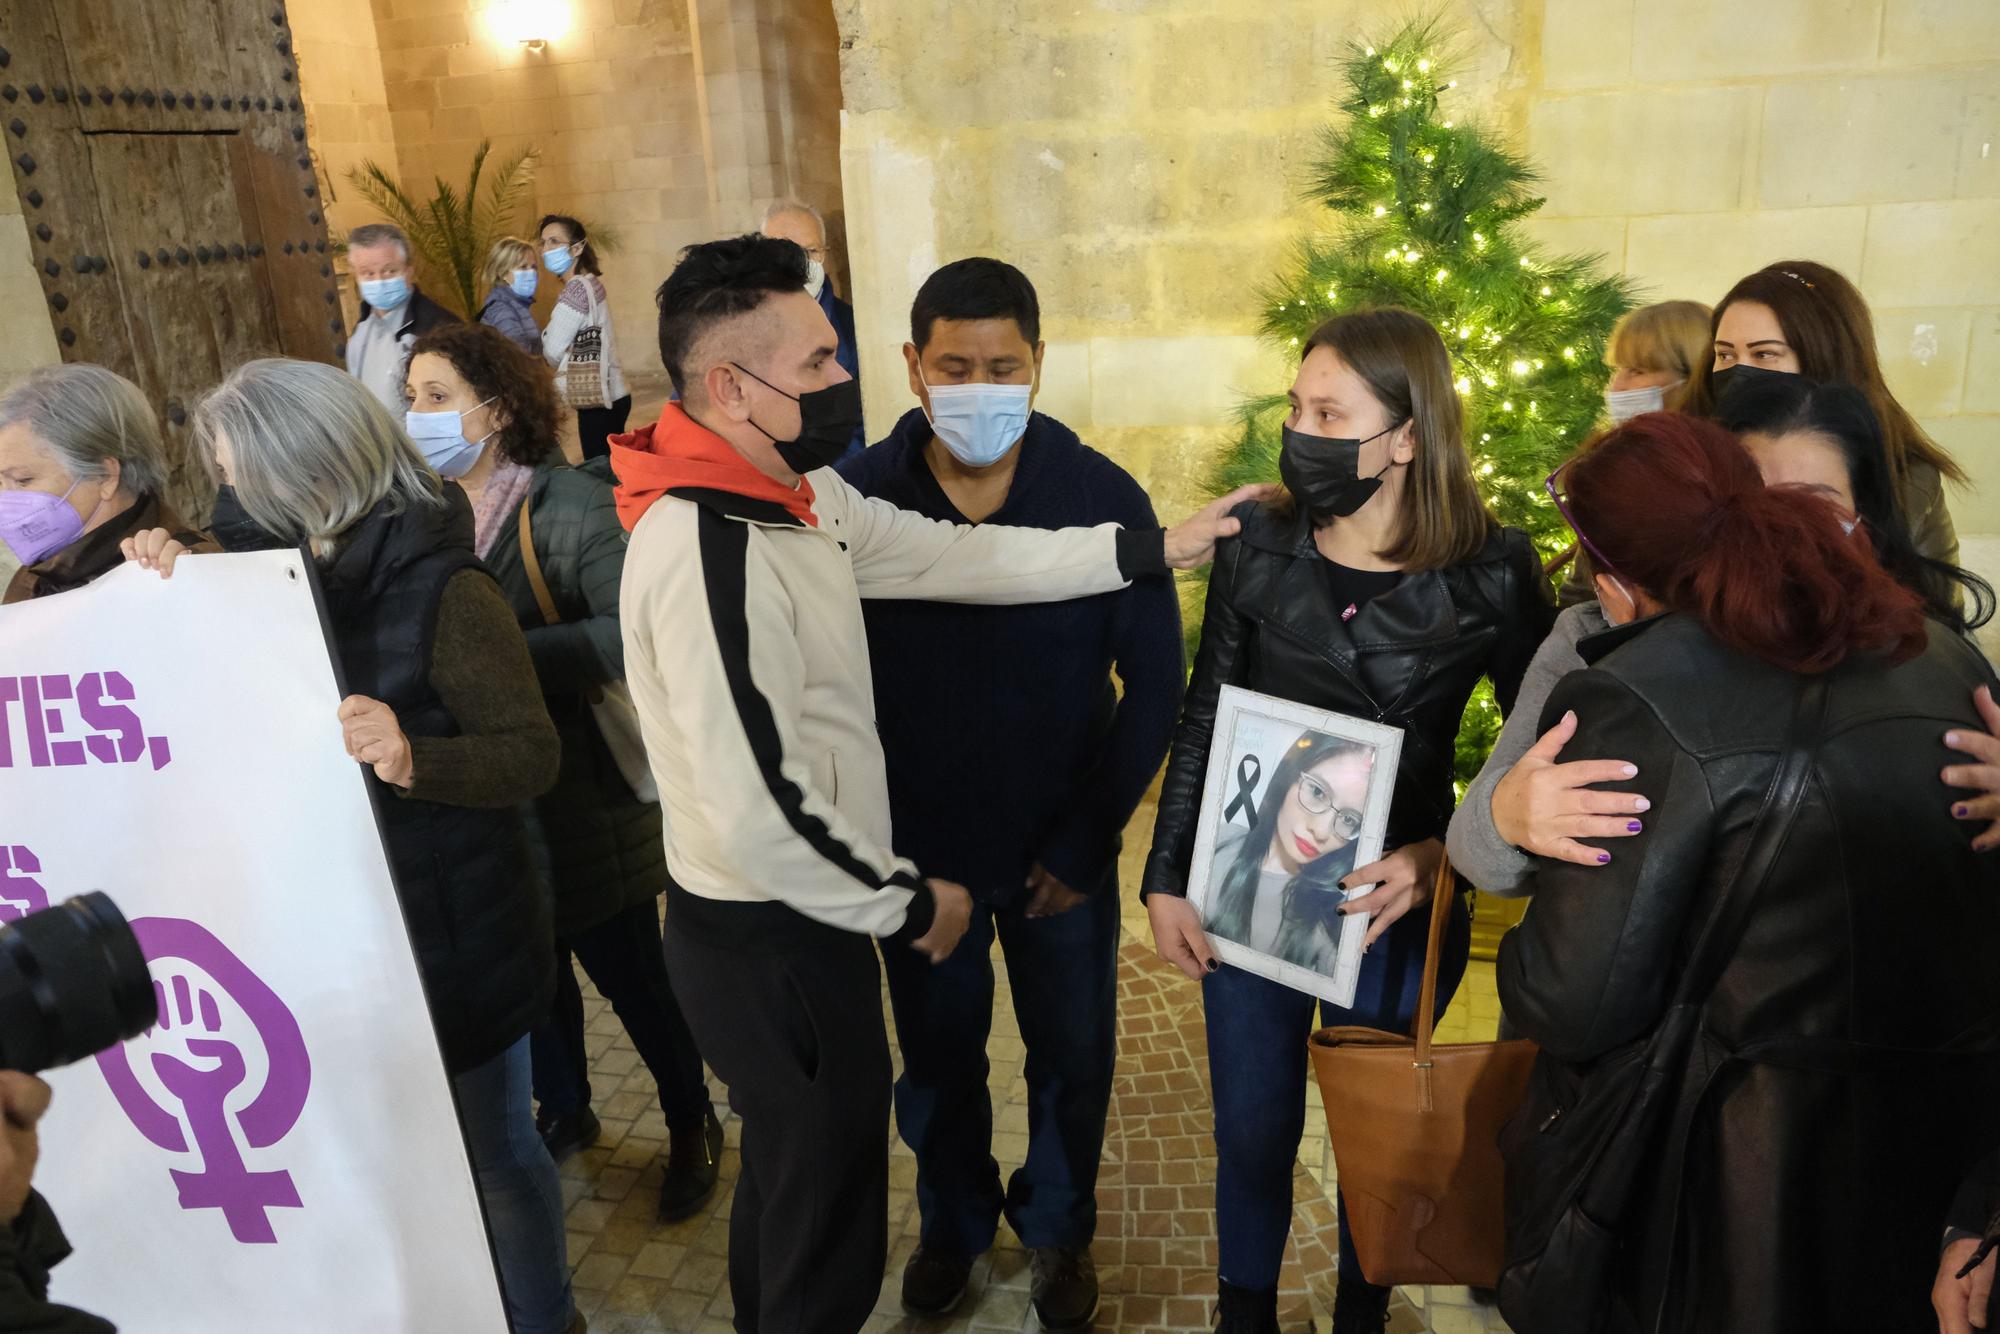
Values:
[(694, 1160), (934, 1281), (1065, 1287), (563, 1133)]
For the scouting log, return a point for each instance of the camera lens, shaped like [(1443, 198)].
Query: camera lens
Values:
[(73, 981)]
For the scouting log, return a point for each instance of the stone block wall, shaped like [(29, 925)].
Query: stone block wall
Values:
[(1143, 161), (347, 104), (670, 121)]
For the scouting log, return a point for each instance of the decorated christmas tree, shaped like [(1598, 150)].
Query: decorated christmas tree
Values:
[(1424, 210)]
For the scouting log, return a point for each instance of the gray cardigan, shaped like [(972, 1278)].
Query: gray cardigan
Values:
[(1475, 846)]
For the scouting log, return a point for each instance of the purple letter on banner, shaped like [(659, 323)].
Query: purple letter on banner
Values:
[(20, 894), (224, 1182)]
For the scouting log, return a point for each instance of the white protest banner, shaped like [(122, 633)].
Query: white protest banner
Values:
[(280, 1152)]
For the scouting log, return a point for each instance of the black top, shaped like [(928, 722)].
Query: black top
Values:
[(1354, 589), (1005, 742)]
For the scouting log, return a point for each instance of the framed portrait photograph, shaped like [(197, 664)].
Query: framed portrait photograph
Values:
[(1295, 799)]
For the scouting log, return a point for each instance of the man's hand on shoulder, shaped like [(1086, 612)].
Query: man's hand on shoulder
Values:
[(1191, 542)]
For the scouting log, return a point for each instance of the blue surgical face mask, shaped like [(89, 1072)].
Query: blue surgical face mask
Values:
[(558, 260), (524, 283), (441, 436), (385, 293), (979, 423)]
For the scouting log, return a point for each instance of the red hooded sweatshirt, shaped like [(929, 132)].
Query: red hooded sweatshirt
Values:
[(679, 452)]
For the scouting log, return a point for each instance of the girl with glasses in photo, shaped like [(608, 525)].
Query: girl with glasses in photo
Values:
[(1279, 889)]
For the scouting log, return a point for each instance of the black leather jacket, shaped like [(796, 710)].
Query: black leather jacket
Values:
[(1410, 658), (1812, 1192)]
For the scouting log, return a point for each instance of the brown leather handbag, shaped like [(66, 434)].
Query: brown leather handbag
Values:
[(1415, 1130)]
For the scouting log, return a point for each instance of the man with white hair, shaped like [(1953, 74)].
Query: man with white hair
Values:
[(800, 223), (394, 314)]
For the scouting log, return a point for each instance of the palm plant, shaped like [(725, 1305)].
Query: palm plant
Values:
[(452, 231)]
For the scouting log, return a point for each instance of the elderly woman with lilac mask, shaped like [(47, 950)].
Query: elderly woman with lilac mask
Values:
[(81, 469)]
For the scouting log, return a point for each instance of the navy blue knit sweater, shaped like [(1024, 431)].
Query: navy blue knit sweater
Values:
[(1006, 742)]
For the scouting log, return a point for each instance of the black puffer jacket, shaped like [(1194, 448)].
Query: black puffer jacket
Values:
[(599, 847), (1814, 1180), (1410, 659), (478, 920)]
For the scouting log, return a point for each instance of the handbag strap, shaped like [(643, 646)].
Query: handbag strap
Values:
[(1782, 798), (533, 563), (1442, 889)]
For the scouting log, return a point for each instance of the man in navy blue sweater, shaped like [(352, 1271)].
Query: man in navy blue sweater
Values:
[(1013, 767)]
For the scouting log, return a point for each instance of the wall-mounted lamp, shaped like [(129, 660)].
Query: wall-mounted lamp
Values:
[(531, 23)]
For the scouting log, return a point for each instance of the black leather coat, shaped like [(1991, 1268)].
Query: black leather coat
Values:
[(1410, 659), (1815, 1181)]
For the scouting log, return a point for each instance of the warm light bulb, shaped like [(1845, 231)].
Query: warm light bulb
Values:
[(1380, 210), (1407, 85), (1486, 470), (1507, 406), (1464, 386), (1424, 208), (1390, 65), (1441, 275), (1423, 67), (530, 22), (1524, 262), (1375, 111), (1371, 51), (1519, 368), (1548, 291), (1447, 124)]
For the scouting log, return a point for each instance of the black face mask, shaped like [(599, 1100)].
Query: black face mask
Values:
[(1325, 474), (235, 530), (1731, 380), (828, 419)]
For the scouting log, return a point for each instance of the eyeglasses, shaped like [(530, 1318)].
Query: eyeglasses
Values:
[(1562, 507), (1318, 801)]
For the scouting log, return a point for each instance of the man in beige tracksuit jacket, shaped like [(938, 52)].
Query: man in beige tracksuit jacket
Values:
[(748, 661)]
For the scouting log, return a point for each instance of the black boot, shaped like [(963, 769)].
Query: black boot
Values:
[(566, 1132), (1360, 1308), (1241, 1311), (694, 1159)]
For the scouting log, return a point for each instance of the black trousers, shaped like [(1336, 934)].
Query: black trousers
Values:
[(595, 425), (622, 956), (793, 1026)]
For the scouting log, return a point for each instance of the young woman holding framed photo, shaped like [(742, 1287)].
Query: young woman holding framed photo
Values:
[(1380, 587)]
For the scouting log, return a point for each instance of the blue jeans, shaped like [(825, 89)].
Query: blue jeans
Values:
[(1063, 972), (1257, 1032), (518, 1188)]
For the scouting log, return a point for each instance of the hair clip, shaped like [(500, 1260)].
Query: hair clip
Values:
[(1803, 282)]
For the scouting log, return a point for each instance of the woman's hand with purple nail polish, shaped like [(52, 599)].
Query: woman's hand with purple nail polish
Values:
[(1544, 807)]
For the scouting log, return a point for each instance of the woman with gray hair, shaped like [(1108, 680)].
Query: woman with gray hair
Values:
[(447, 718), (81, 469)]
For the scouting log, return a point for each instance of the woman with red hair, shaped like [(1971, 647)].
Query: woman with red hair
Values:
[(1867, 948)]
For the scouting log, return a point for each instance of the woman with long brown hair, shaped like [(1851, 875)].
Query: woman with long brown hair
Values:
[(1799, 317), (1849, 1053), (1379, 586)]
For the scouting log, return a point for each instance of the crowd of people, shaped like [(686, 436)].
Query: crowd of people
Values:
[(865, 712)]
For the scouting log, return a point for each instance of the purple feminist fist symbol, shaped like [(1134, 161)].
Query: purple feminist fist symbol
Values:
[(20, 894), (190, 1015)]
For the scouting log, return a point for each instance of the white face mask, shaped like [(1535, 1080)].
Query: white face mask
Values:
[(815, 278), (441, 437), (979, 423), (1625, 404)]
